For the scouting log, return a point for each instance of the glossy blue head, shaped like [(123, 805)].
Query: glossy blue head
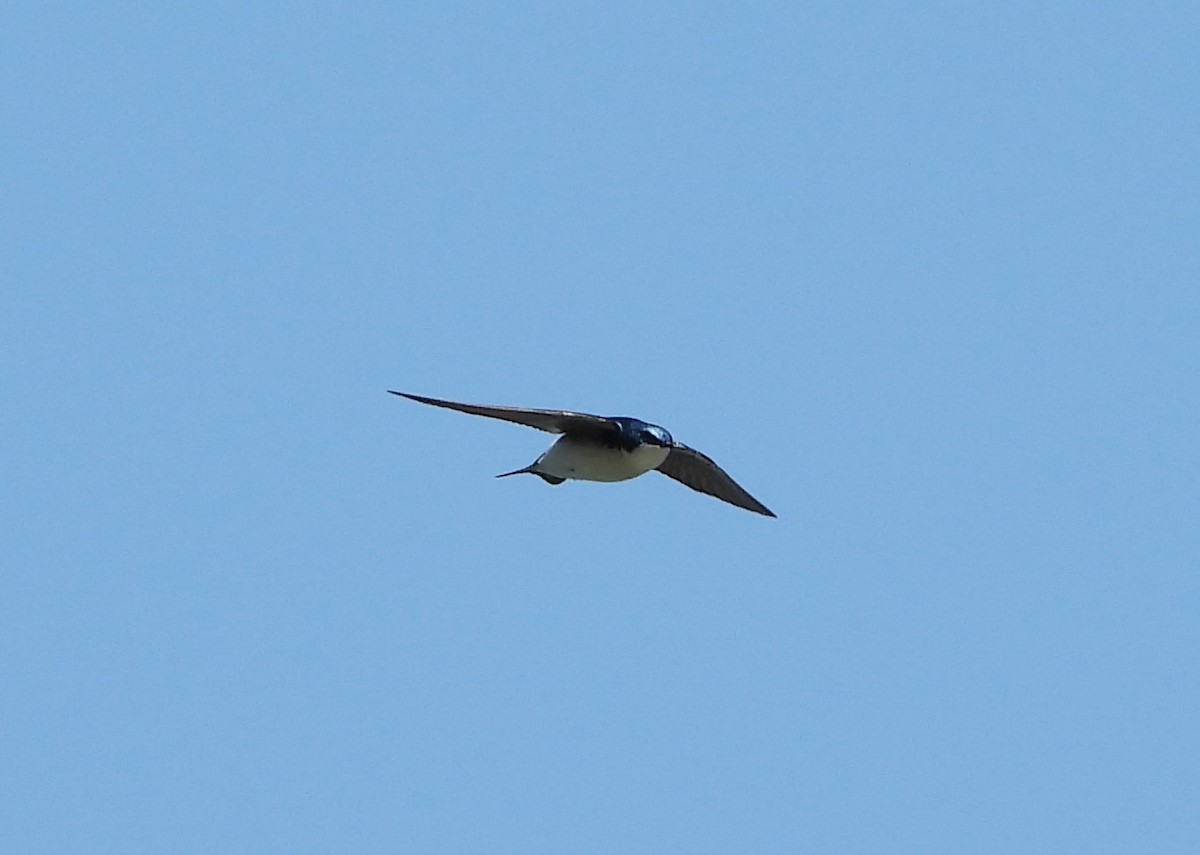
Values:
[(635, 432)]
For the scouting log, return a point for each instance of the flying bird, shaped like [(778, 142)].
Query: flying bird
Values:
[(610, 448)]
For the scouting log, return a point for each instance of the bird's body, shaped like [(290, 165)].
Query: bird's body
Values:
[(572, 458), (610, 448)]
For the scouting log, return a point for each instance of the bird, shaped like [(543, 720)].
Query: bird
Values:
[(609, 448)]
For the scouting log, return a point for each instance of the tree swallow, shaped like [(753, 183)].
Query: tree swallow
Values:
[(610, 448)]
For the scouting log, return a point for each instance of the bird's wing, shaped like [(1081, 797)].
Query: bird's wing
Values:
[(552, 421), (693, 469)]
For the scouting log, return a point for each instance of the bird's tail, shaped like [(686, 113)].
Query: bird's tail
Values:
[(522, 471), (549, 479)]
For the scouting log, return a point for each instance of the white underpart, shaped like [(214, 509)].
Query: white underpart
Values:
[(585, 461)]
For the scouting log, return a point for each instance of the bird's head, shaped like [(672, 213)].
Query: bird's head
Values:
[(654, 435), (635, 432)]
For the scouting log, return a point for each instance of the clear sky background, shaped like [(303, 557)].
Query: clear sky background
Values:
[(925, 278)]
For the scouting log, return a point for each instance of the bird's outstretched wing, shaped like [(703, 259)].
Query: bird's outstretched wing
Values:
[(693, 469), (552, 421)]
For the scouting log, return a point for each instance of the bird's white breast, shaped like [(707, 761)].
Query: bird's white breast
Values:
[(586, 461)]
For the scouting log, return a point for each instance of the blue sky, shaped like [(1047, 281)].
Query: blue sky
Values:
[(924, 278)]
